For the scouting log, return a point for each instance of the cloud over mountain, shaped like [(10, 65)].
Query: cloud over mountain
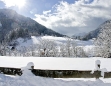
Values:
[(80, 16)]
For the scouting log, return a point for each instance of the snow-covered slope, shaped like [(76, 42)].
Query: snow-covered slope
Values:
[(59, 40), (58, 43)]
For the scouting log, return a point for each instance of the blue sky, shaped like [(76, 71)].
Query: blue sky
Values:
[(32, 7), (68, 17)]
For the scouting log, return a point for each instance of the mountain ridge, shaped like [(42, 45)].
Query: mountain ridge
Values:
[(11, 22), (95, 33)]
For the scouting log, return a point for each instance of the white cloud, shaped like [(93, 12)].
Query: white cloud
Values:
[(79, 16), (46, 12), (18, 3)]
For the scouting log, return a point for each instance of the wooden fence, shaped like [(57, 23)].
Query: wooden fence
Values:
[(59, 73)]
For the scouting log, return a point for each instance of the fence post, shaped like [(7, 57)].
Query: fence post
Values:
[(27, 70), (97, 64)]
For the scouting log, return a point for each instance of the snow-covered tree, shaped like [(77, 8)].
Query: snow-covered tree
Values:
[(47, 48), (3, 48), (103, 42), (80, 52), (68, 49)]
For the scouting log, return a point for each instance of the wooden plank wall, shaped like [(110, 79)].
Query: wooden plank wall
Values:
[(56, 73)]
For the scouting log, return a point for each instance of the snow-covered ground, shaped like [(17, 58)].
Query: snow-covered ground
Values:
[(40, 81), (28, 79), (59, 40)]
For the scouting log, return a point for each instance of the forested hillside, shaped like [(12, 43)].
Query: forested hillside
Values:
[(14, 25), (95, 33)]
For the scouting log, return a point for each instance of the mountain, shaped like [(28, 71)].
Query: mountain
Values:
[(94, 33), (14, 25)]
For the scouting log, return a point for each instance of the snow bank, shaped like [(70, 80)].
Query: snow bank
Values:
[(40, 81)]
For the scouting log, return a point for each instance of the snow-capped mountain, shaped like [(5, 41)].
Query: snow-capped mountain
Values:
[(14, 25), (94, 33)]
